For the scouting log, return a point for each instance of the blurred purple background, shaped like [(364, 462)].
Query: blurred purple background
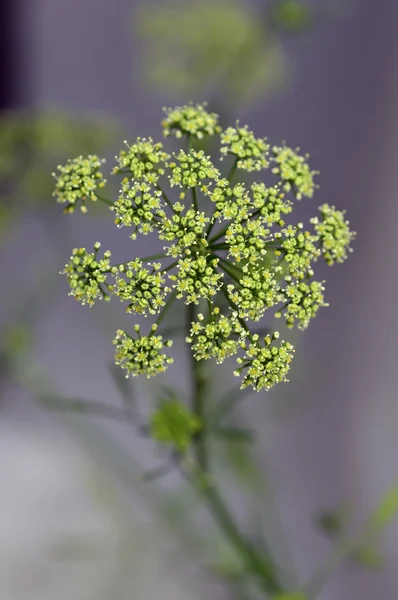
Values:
[(338, 440)]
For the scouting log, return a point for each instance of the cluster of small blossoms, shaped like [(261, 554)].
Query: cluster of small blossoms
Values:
[(294, 171), (302, 302), (144, 289), (78, 181), (270, 203), (258, 290), (174, 424), (142, 355), (192, 169), (264, 366), (196, 278), (214, 338), (191, 120), (185, 227), (87, 275), (142, 160), (251, 152), (137, 207), (299, 250), (334, 234), (235, 264), (232, 203)]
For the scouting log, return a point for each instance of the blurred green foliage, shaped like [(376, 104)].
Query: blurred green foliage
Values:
[(220, 48), (32, 144)]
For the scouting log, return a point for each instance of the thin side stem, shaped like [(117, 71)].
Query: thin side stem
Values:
[(194, 198), (257, 564), (198, 397), (231, 174), (104, 200)]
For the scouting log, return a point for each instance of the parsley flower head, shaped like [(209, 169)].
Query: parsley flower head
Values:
[(78, 181), (226, 254)]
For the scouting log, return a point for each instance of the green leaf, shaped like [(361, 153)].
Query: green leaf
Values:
[(385, 511)]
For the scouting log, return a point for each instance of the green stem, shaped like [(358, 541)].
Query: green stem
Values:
[(232, 171), (169, 267), (194, 198), (198, 396), (259, 565), (152, 257), (169, 302), (166, 199), (104, 200), (218, 235)]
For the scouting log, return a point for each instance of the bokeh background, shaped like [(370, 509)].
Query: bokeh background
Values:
[(77, 520)]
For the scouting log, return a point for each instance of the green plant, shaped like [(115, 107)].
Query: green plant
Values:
[(228, 258)]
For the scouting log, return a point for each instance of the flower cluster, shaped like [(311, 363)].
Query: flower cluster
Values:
[(78, 181), (186, 228), (192, 119), (302, 302), (137, 206), (251, 152), (173, 424), (144, 289), (214, 338), (294, 171), (196, 278), (142, 160), (227, 251), (334, 234), (258, 290), (192, 169), (87, 275), (299, 250), (264, 366), (141, 355)]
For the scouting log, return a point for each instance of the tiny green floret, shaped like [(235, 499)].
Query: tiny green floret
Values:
[(78, 181)]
